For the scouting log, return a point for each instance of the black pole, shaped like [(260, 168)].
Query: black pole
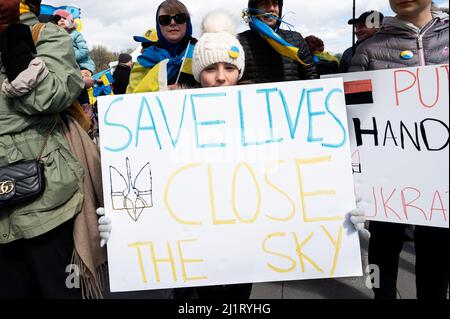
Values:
[(353, 28)]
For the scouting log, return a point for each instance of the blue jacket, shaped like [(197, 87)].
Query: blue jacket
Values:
[(82, 51)]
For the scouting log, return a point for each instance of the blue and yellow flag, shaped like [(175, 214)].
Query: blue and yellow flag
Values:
[(143, 79), (187, 62), (275, 40), (74, 11), (105, 87), (92, 98), (155, 67), (49, 10)]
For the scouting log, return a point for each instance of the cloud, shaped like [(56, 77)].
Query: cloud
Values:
[(113, 23)]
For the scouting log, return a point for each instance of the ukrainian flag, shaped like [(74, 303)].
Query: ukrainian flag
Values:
[(48, 10), (92, 98), (154, 78), (144, 79), (276, 41), (187, 63), (106, 86)]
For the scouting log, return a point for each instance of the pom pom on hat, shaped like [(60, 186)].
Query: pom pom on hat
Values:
[(218, 21), (218, 44)]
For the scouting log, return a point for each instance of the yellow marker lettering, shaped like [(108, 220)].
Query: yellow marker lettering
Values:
[(258, 189), (166, 195), (163, 260), (299, 249), (274, 268), (303, 194), (141, 263), (215, 220), (272, 185), (184, 261), (337, 244)]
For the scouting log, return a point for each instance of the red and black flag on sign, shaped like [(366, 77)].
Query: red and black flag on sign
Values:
[(358, 92)]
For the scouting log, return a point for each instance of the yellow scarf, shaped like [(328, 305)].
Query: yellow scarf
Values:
[(24, 8)]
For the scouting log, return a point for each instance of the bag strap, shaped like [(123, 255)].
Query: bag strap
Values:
[(46, 139), (36, 32)]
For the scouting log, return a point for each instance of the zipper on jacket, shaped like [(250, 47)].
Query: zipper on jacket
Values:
[(421, 51)]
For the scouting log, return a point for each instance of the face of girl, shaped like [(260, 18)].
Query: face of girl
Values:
[(410, 8), (173, 32), (219, 74)]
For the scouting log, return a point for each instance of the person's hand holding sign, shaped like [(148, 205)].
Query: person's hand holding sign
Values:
[(104, 226), (357, 216)]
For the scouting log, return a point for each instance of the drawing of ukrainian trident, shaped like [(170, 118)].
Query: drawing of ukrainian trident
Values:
[(131, 195)]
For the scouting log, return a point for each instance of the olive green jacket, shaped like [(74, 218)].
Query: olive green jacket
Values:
[(24, 124)]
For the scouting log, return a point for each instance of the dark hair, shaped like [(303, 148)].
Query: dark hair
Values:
[(173, 7)]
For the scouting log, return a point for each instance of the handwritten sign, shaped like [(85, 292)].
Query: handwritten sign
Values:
[(400, 143), (228, 185)]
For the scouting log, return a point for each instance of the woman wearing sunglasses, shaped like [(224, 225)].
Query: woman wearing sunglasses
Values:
[(160, 65)]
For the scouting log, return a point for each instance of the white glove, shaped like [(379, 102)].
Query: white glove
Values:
[(358, 218), (104, 226)]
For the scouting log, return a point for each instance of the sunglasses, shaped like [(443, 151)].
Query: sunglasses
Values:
[(179, 18)]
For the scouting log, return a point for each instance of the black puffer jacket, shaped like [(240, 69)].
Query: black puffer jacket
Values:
[(263, 64)]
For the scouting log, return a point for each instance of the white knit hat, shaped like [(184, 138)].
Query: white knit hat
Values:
[(218, 44)]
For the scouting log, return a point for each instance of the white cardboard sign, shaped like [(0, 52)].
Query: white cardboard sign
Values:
[(400, 145), (228, 185)]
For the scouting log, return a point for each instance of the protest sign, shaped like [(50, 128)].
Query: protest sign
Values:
[(228, 185), (399, 131)]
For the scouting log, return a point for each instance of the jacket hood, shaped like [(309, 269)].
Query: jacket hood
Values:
[(252, 5)]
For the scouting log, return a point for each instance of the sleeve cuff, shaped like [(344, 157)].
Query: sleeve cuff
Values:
[(27, 80)]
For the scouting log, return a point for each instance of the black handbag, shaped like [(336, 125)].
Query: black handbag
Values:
[(23, 181)]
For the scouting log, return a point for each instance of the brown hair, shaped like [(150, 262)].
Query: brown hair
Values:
[(77, 112), (172, 7)]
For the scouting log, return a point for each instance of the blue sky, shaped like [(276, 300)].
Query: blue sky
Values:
[(113, 23)]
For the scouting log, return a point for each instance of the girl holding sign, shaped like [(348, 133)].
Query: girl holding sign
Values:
[(417, 36), (218, 61)]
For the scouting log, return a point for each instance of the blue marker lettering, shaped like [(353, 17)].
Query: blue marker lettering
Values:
[(292, 127), (312, 114), (108, 123), (206, 123), (244, 143), (269, 114), (174, 142), (327, 106), (139, 128)]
